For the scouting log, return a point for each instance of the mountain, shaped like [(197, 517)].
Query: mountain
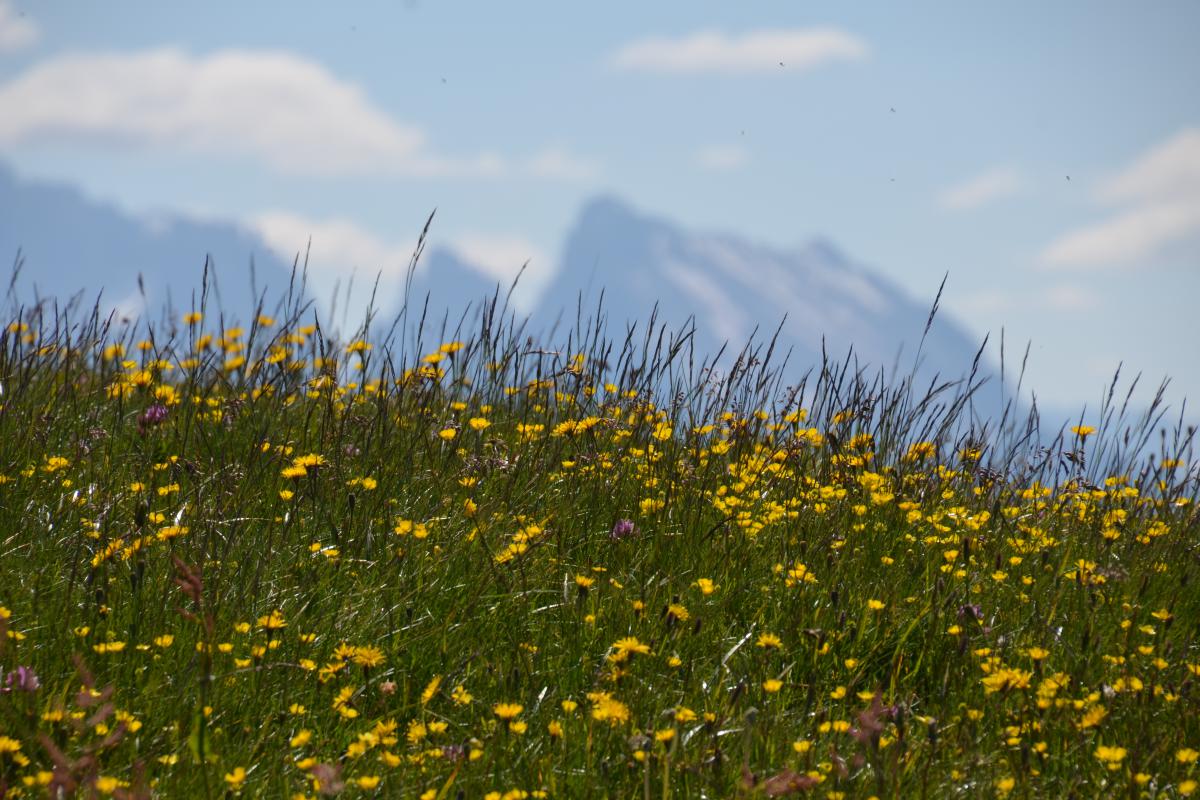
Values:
[(75, 247), (444, 286), (732, 286)]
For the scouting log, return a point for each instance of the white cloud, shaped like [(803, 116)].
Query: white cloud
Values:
[(1125, 238), (501, 256), (992, 301), (1170, 171), (993, 184), (290, 113), (342, 257), (1069, 297), (17, 31), (336, 244), (558, 163), (760, 51), (1161, 194), (341, 248), (722, 157)]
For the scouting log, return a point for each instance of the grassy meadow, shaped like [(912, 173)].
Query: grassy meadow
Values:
[(452, 560)]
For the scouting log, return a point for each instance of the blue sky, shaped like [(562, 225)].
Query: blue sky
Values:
[(351, 121)]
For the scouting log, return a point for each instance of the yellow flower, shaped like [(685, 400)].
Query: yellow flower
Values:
[(507, 710), (1082, 431), (1006, 678), (769, 640), (876, 605), (606, 708), (431, 689), (622, 649), (369, 656), (706, 586), (478, 423), (1093, 717), (772, 685), (447, 434), (272, 622), (236, 778), (1110, 756), (1186, 755), (368, 781)]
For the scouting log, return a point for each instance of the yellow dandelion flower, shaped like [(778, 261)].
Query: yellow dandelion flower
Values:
[(507, 710)]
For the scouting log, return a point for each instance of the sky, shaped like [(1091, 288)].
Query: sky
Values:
[(1046, 156)]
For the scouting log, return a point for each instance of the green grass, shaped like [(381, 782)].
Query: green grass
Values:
[(835, 585)]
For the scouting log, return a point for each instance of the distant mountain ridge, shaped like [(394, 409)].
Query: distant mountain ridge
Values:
[(732, 286), (74, 246)]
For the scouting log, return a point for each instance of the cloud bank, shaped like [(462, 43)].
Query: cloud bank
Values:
[(712, 52), (16, 30), (338, 249), (1160, 192), (722, 158), (287, 112), (994, 184)]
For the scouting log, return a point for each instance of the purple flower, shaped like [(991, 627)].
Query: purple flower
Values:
[(22, 679), (622, 529), (153, 415), (972, 610)]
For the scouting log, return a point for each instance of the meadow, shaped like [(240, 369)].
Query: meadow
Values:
[(452, 560)]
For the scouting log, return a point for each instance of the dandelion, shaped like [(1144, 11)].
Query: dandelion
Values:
[(236, 778), (1005, 678), (1111, 757), (769, 641), (622, 649), (772, 685), (606, 708), (507, 711), (272, 622), (431, 689)]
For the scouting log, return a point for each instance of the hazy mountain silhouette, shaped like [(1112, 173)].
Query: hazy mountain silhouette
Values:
[(74, 246), (732, 286)]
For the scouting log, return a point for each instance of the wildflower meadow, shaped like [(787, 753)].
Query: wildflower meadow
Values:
[(449, 558)]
